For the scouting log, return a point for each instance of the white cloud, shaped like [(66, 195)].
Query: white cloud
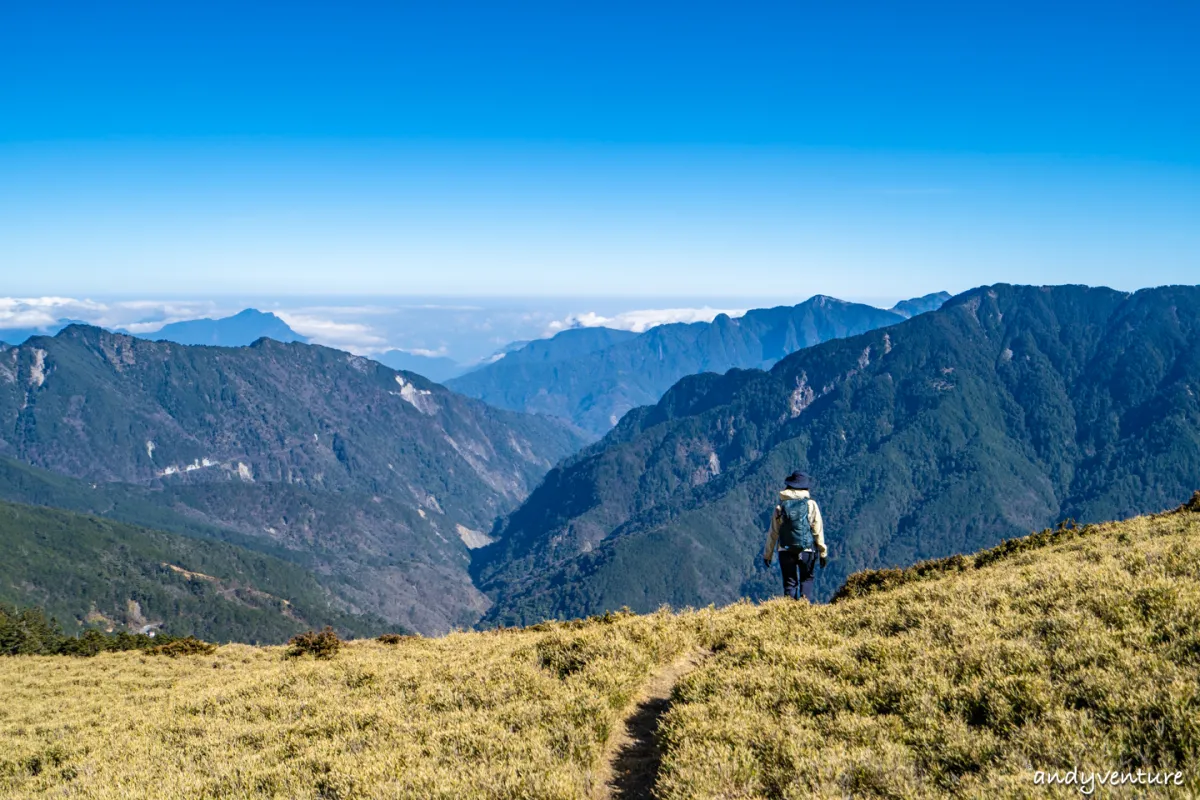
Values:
[(152, 315), (140, 328), (420, 351), (147, 316), (25, 318), (641, 320), (352, 336), (358, 311), (41, 312), (139, 316), (440, 307)]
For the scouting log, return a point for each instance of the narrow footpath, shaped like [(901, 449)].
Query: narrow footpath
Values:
[(633, 755)]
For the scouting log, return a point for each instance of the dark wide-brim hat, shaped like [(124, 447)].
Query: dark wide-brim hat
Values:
[(798, 480)]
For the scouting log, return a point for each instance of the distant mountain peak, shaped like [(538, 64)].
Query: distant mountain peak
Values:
[(255, 314), (919, 305), (244, 328), (90, 333), (823, 300)]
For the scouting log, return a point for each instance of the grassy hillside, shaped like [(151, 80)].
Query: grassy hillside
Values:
[(85, 569), (1071, 649), (471, 715), (1082, 654)]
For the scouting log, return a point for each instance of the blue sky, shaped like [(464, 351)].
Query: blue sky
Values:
[(868, 151)]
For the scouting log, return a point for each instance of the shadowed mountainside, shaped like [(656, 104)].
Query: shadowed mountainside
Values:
[(87, 570)]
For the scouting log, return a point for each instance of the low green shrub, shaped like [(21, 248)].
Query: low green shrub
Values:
[(394, 638), (187, 646), (323, 644)]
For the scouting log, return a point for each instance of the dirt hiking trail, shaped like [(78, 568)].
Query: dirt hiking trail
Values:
[(632, 758)]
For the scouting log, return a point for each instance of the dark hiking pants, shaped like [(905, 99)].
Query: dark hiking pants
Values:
[(797, 567)]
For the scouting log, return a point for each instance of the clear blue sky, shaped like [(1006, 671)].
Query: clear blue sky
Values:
[(861, 150)]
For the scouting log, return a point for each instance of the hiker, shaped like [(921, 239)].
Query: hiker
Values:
[(797, 529)]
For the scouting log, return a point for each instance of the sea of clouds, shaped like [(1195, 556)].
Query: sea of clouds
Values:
[(136, 316), (468, 332), (641, 320)]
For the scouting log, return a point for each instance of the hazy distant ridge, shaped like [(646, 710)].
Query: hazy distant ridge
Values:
[(593, 376)]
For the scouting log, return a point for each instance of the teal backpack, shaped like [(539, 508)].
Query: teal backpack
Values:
[(795, 528)]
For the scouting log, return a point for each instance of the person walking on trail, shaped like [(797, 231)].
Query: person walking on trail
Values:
[(799, 533)]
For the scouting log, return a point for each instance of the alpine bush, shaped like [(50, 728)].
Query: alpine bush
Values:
[(187, 646), (323, 644)]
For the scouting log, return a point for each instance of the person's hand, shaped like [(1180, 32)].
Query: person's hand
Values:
[(824, 560), (766, 562)]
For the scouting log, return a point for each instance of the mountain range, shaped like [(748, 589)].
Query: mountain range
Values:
[(369, 484), (593, 376), (372, 498), (380, 478), (1009, 408)]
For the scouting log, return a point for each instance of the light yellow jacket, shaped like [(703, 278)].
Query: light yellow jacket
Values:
[(814, 521)]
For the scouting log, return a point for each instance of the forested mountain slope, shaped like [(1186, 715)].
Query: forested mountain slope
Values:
[(384, 476), (1008, 409), (376, 555), (91, 571)]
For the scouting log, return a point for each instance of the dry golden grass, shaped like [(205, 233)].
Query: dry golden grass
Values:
[(1082, 653), (499, 715)]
